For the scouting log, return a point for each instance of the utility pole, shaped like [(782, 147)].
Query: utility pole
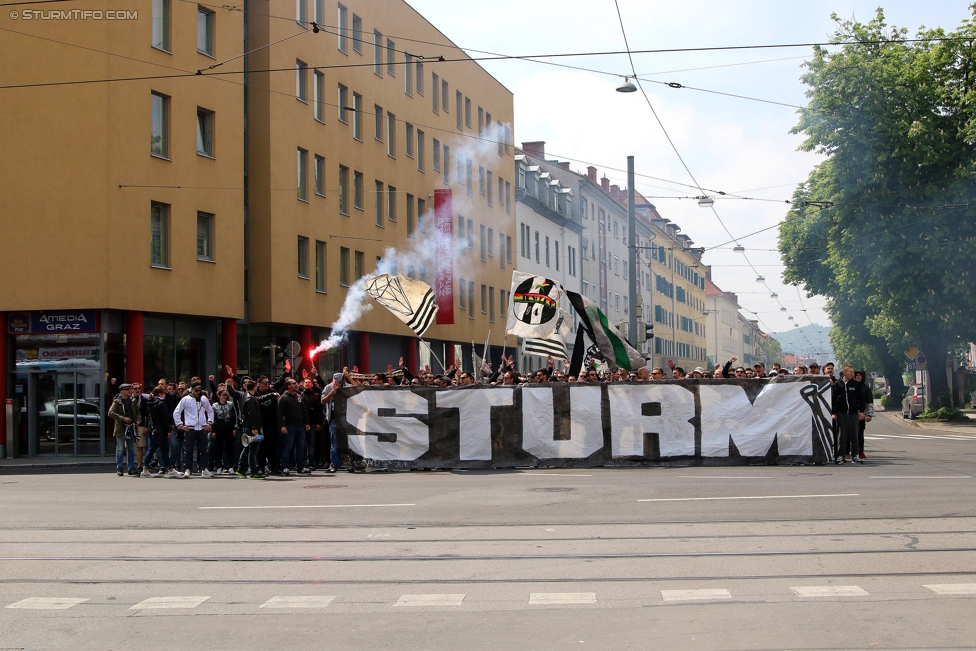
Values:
[(631, 252)]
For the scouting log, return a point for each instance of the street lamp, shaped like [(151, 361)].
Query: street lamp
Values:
[(626, 86), (706, 202), (738, 248)]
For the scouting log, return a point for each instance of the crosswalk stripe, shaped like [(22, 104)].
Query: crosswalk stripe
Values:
[(47, 603), (555, 598), (153, 603), (829, 591), (945, 588), (430, 600), (696, 595), (308, 601)]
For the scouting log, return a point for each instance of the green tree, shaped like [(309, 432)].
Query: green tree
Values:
[(883, 227), (770, 351)]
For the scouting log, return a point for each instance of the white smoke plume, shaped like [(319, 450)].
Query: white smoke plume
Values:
[(422, 252)]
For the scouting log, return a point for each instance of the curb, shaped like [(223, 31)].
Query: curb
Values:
[(42, 465)]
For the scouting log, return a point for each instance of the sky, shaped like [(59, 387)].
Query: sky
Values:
[(728, 144)]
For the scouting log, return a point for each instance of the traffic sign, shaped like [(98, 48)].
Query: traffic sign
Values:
[(912, 367), (293, 349), (911, 352), (920, 359)]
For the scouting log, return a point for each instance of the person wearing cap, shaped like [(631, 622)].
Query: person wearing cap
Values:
[(814, 369), (194, 417), (698, 373), (126, 419), (760, 369)]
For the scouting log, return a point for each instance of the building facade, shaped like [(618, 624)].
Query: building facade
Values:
[(259, 201), (549, 228)]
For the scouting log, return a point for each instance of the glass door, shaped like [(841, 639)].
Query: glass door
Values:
[(42, 394), (88, 413), (65, 414)]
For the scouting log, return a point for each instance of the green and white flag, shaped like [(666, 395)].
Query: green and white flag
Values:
[(535, 306), (608, 339), (411, 301)]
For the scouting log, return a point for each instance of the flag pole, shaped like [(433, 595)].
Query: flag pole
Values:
[(433, 354)]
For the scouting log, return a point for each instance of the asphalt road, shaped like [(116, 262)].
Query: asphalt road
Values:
[(879, 556)]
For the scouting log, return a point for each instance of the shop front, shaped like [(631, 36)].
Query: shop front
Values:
[(55, 384)]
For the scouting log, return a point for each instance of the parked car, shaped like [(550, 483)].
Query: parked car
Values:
[(89, 419), (913, 403)]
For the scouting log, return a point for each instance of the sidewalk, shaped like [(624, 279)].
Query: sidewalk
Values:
[(40, 463), (961, 427)]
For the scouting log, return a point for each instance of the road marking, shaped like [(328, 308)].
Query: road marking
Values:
[(298, 602), (918, 477), (153, 603), (47, 603), (695, 595), (941, 588), (430, 600), (829, 591), (305, 506), (718, 477), (746, 497), (552, 474), (556, 598)]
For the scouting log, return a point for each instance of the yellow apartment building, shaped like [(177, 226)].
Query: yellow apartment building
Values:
[(257, 201)]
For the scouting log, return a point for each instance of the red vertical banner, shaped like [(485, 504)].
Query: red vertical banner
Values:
[(444, 271)]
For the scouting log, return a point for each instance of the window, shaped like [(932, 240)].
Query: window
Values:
[(301, 12), (435, 87), (205, 226), (508, 137), (302, 174), (467, 112), (502, 303), (467, 175), (421, 213), (537, 246), (390, 134), (409, 140), (343, 189), (508, 248), (459, 102), (501, 189), (547, 250), (378, 122), (487, 125), (301, 80), (320, 262), (357, 189), (205, 31), (390, 60), (342, 31), (508, 198), (420, 150), (501, 249), (447, 165), (377, 53), (481, 122), (491, 242), (437, 155), (470, 299), (470, 235), (488, 186), (357, 34), (483, 242), (491, 304), (380, 201), (481, 179), (460, 234), (409, 215), (357, 116), (484, 299), (160, 24), (408, 74), (303, 257), (318, 105), (319, 175), (391, 203), (499, 135), (160, 125), (420, 78), (319, 15), (343, 104), (360, 263), (445, 100), (524, 237), (462, 300), (555, 250), (159, 234), (343, 266), (460, 169), (205, 121)]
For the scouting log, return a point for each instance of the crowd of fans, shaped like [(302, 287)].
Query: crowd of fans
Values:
[(256, 428)]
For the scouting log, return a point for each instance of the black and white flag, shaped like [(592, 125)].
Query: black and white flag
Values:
[(411, 301)]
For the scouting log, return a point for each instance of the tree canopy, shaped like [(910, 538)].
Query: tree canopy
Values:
[(885, 227)]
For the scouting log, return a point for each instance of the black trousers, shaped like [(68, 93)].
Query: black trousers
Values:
[(221, 443), (847, 428)]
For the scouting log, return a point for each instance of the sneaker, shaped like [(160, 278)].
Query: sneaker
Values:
[(305, 471), (257, 476), (331, 468), (206, 473), (242, 474), (119, 472), (862, 456), (839, 460), (186, 474), (286, 471), (133, 472), (175, 473), (857, 459), (161, 473), (145, 473)]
